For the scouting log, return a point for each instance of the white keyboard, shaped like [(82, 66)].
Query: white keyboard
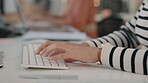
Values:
[(30, 60)]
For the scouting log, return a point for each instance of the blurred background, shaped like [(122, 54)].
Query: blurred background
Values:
[(80, 14)]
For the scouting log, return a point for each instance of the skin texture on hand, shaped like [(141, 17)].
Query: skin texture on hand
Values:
[(56, 42), (70, 52)]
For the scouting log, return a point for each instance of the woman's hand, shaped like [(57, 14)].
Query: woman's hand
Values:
[(45, 45), (82, 53)]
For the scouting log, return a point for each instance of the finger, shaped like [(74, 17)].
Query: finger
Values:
[(43, 51), (43, 46), (59, 57), (55, 47), (57, 52), (51, 51), (40, 49)]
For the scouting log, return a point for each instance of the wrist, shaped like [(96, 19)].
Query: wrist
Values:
[(99, 55), (85, 44)]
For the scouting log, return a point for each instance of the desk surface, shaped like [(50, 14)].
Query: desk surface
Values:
[(12, 70)]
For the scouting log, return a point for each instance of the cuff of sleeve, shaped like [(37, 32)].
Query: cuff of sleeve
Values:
[(106, 49)]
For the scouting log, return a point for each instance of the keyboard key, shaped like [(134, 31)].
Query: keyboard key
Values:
[(54, 63), (39, 60), (61, 63), (32, 55), (25, 58), (36, 46), (46, 61)]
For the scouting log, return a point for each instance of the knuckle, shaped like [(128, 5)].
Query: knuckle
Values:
[(46, 44), (55, 57), (57, 44), (46, 53), (42, 46)]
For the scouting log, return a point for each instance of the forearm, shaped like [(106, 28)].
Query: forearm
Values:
[(131, 60)]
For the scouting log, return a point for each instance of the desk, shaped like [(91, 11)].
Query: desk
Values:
[(12, 70)]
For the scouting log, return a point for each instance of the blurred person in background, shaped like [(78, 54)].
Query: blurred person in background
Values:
[(45, 5), (78, 13), (109, 10)]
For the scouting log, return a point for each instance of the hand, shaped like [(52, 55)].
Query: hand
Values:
[(79, 53), (45, 45)]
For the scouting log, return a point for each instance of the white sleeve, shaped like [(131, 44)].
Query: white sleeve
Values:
[(125, 59)]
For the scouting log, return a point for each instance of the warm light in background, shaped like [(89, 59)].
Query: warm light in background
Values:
[(97, 3)]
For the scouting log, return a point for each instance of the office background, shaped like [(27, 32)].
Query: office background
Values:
[(12, 71), (58, 6)]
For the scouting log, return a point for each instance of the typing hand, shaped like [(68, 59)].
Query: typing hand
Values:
[(45, 45), (79, 53)]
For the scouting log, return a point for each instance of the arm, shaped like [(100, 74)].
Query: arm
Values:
[(131, 60), (125, 59)]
